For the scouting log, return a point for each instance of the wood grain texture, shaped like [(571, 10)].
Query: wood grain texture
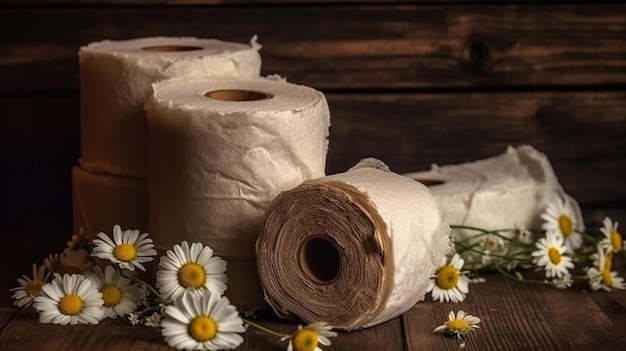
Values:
[(517, 316), (344, 47), (512, 318)]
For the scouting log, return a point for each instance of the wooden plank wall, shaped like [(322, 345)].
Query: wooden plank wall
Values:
[(410, 82)]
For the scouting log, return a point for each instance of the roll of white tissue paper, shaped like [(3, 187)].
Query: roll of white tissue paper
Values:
[(353, 249), (219, 152), (507, 191), (116, 78)]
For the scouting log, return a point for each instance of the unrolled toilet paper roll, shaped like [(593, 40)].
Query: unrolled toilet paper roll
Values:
[(505, 191), (219, 152), (116, 78), (99, 202), (353, 249)]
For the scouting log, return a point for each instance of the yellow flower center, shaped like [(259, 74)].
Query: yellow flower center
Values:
[(202, 328), (566, 226), (111, 294), (305, 340), (71, 305), (554, 255), (447, 277), (458, 325), (125, 252), (491, 244), (191, 275), (616, 240), (607, 278), (32, 288)]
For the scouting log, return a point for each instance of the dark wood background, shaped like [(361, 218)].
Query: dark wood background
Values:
[(410, 82)]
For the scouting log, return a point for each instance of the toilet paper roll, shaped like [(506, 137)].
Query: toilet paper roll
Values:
[(99, 202), (116, 78), (501, 192), (353, 249), (220, 151)]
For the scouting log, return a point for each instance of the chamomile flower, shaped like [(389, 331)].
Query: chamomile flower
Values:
[(202, 321), (119, 295), (307, 338), (523, 235), (29, 287), (128, 249), (563, 283), (600, 275), (491, 244), (133, 318), (79, 241), (449, 283), (70, 261), (560, 218), (70, 298), (612, 240), (190, 268), (550, 255), (458, 325), (154, 321)]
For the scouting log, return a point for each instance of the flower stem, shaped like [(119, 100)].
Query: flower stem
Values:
[(470, 248), (264, 329), (592, 239), (511, 276), (148, 286)]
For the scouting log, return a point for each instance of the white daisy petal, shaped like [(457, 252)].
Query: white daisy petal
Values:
[(29, 287), (312, 334), (127, 249), (458, 325), (188, 267), (117, 234), (560, 218), (179, 326), (550, 255), (600, 275), (69, 299), (449, 283), (119, 295)]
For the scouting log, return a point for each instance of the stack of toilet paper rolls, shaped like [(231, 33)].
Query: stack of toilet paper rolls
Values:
[(109, 186), (182, 138)]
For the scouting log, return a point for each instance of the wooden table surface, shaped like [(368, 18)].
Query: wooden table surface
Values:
[(515, 316), (411, 82)]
